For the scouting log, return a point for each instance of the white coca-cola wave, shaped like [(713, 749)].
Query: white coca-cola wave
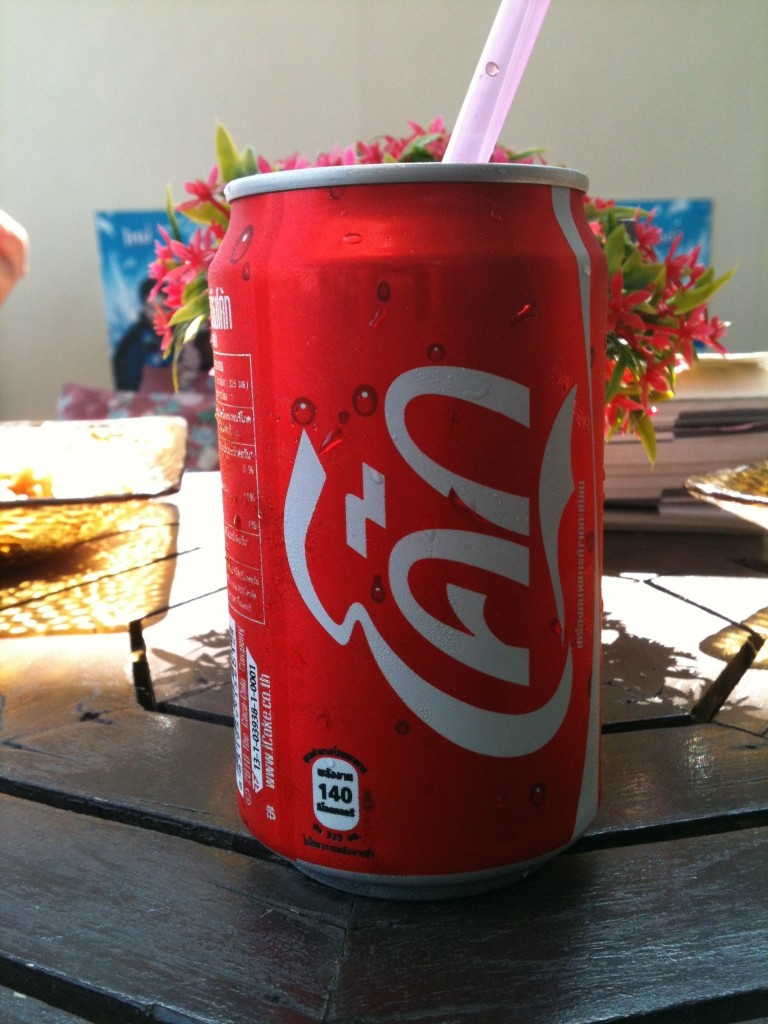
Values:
[(492, 733), (489, 390)]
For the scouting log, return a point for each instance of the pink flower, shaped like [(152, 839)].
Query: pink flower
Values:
[(622, 318), (696, 326), (163, 328), (369, 152), (648, 237), (208, 190), (192, 257)]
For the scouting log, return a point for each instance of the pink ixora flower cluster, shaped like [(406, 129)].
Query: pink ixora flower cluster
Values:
[(657, 308), (657, 315)]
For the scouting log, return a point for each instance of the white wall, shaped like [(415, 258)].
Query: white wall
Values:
[(104, 103)]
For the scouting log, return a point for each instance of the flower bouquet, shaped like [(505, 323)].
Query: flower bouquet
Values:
[(657, 308)]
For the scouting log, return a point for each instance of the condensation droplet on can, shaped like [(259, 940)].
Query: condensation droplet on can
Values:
[(383, 292), (367, 801), (402, 728), (365, 401), (492, 69), (336, 191), (378, 592), (377, 317), (538, 794), (501, 802), (590, 541), (556, 627), (352, 238), (236, 522), (461, 506), (344, 416), (240, 248), (526, 312), (436, 353), (303, 411), (481, 389), (246, 272)]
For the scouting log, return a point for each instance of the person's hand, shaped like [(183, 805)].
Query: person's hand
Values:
[(13, 254)]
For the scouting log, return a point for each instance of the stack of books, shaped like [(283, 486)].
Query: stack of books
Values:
[(717, 420)]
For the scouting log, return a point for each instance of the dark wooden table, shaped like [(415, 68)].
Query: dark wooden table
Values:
[(132, 892)]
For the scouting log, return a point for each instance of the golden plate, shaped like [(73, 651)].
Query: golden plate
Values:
[(742, 491), (90, 475)]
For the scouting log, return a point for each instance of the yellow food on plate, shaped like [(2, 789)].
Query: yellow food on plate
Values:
[(25, 483)]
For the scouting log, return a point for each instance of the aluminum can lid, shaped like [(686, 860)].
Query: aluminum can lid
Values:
[(404, 174)]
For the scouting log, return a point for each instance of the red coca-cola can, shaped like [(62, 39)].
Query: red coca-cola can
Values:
[(409, 379)]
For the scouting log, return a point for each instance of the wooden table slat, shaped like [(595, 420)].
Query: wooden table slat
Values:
[(628, 932), (168, 773), (733, 598), (18, 1008), (55, 681), (747, 706), (652, 648), (277, 936), (213, 704), (686, 780), (185, 650), (213, 934)]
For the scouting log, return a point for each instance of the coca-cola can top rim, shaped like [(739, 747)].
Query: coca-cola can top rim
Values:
[(403, 174)]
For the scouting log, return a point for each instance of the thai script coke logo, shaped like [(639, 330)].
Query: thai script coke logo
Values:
[(221, 310), (492, 733)]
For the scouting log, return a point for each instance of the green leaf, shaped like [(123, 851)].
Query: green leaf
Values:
[(685, 301), (613, 386), (207, 213), (227, 156), (526, 154), (197, 307), (609, 220), (195, 287), (614, 249), (416, 151), (660, 286), (638, 275), (706, 277), (248, 161), (642, 425), (631, 212), (647, 310), (171, 214), (192, 328)]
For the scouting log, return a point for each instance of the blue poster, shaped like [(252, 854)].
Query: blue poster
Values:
[(691, 218), (126, 240)]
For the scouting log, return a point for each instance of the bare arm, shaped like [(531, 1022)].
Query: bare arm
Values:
[(13, 254)]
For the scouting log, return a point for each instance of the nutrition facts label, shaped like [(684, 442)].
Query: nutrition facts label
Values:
[(238, 456)]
